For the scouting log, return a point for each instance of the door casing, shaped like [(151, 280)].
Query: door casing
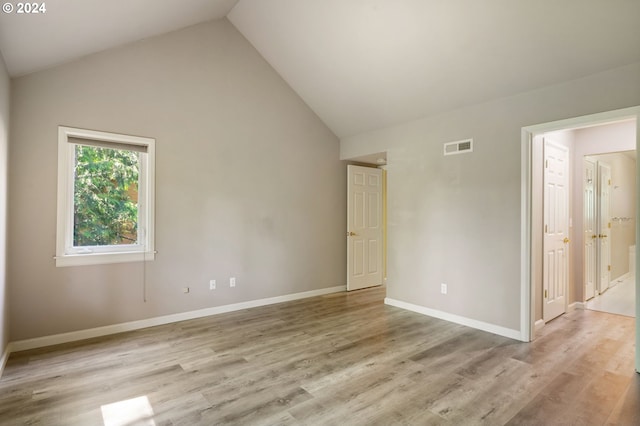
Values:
[(364, 227)]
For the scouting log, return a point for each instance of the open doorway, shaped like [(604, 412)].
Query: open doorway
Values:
[(532, 223), (609, 212), (584, 218), (587, 240)]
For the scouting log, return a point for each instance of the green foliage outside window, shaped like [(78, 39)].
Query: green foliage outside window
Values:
[(105, 196)]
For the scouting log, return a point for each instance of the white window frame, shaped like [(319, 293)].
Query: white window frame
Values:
[(66, 253)]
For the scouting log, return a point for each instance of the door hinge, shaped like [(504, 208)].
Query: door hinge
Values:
[(609, 182), (608, 267), (545, 294), (609, 225)]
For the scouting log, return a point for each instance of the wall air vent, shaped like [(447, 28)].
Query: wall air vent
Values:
[(459, 147)]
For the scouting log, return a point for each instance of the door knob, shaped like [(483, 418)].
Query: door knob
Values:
[(351, 234), (594, 237), (566, 240)]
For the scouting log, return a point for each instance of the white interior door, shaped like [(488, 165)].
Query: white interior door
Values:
[(604, 226), (364, 227), (590, 230), (556, 230)]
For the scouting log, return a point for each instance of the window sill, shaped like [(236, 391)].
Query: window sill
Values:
[(103, 258)]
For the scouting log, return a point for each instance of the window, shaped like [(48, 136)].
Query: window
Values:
[(105, 198)]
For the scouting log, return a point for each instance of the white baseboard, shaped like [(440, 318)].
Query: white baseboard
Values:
[(480, 325), (622, 277), (538, 325), (38, 342), (5, 357), (576, 305)]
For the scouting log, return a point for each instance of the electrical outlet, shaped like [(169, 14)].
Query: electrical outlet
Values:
[(443, 288), (232, 282), (212, 284), (185, 289)]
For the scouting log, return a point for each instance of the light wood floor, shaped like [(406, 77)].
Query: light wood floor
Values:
[(341, 359)]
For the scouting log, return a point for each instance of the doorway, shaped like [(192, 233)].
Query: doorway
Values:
[(585, 241), (364, 227), (366, 221), (609, 232), (532, 222)]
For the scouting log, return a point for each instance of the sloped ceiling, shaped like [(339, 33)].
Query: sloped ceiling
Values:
[(362, 64), (367, 64), (69, 29)]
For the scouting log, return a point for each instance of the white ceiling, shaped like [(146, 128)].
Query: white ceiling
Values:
[(363, 64), (366, 64), (70, 29)]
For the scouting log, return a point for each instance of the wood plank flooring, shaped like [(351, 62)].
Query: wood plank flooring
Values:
[(340, 359)]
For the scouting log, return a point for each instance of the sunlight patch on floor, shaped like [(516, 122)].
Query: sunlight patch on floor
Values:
[(136, 411)]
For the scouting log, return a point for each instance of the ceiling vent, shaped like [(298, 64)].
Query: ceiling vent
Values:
[(459, 147)]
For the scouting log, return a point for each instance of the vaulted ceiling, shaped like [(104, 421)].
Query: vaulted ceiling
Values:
[(362, 64), (69, 29)]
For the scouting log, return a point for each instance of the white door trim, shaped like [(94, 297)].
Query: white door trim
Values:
[(526, 288), (364, 227)]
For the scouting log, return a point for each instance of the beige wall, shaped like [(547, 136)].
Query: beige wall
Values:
[(4, 147), (249, 182), (457, 219)]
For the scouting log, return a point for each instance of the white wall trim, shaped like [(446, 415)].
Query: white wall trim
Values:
[(539, 325), (480, 325), (576, 305), (38, 342), (5, 357), (622, 277), (527, 328)]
